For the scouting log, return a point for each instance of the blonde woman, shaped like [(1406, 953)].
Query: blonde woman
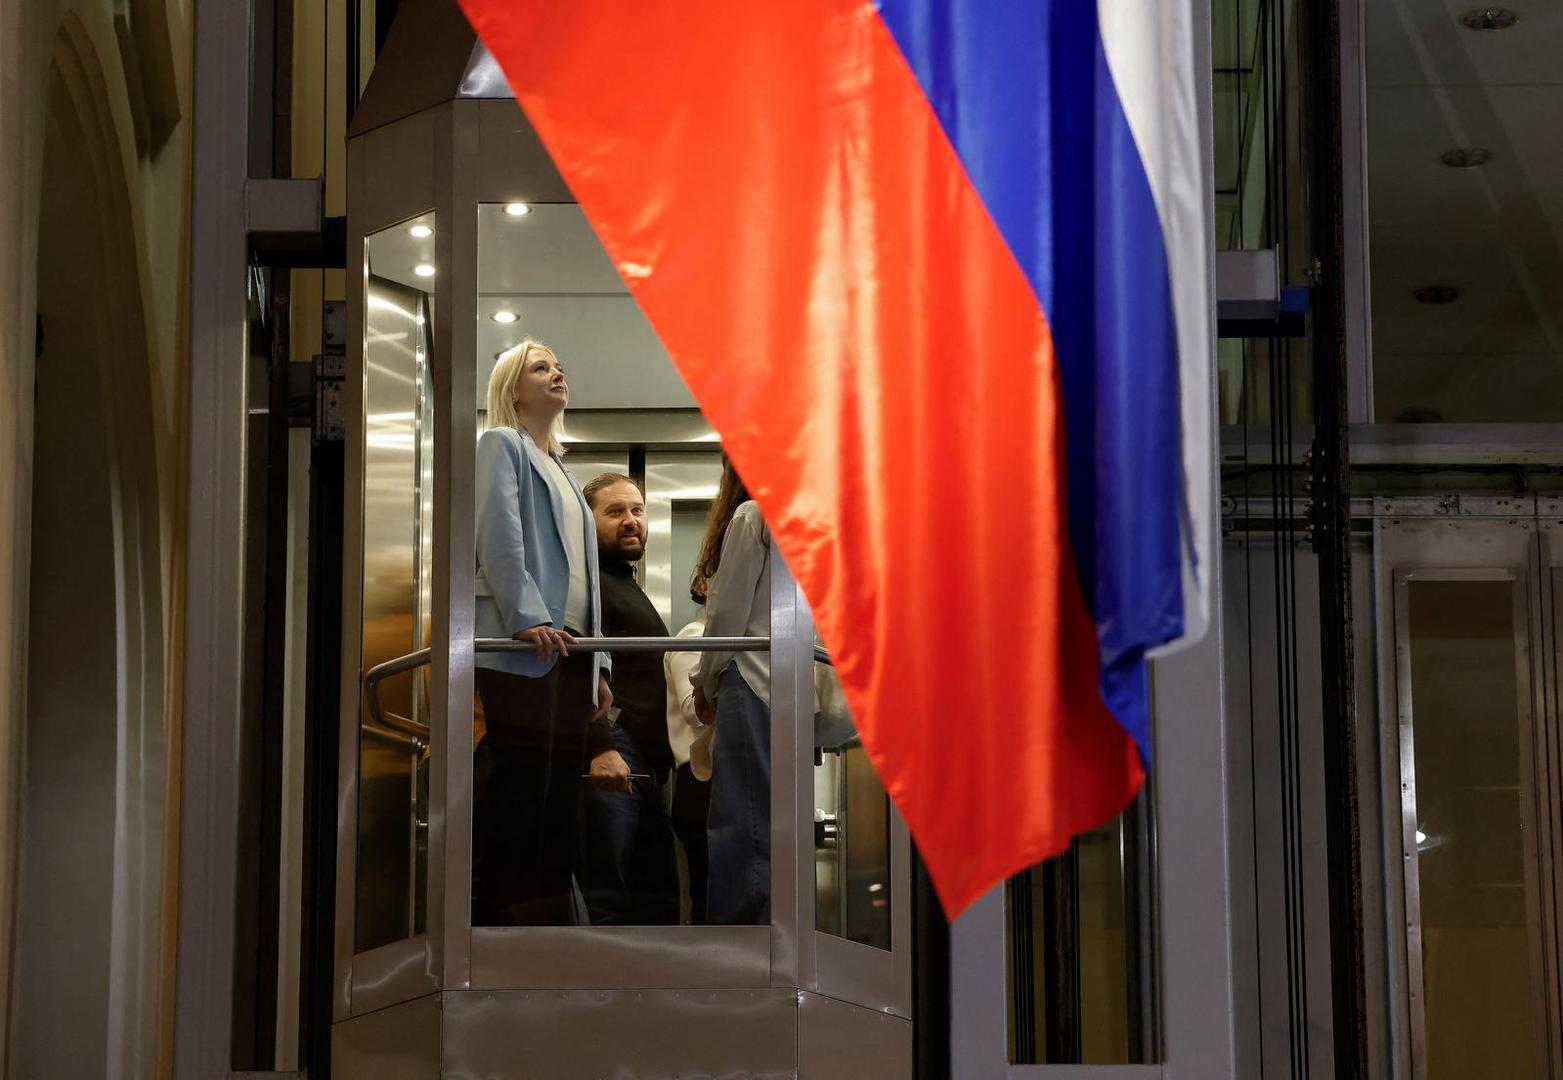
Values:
[(545, 709)]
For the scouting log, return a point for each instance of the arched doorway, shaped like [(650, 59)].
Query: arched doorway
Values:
[(85, 985)]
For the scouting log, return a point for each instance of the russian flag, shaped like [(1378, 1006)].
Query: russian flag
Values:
[(937, 273)]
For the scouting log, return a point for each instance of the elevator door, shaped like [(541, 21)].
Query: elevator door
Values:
[(1469, 739)]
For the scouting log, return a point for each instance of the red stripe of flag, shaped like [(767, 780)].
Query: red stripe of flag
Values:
[(784, 205)]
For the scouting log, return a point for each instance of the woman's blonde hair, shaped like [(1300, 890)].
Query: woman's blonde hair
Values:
[(502, 411)]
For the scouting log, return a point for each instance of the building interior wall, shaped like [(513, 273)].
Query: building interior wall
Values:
[(94, 230), (61, 1010)]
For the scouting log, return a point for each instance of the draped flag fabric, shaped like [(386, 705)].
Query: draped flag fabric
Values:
[(936, 273)]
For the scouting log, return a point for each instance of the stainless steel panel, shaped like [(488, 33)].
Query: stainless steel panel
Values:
[(840, 1041), (395, 412), (1266, 935), (1550, 768), (593, 1034), (792, 781), (349, 728), (687, 479), (291, 875), (1193, 869), (857, 973), (1375, 886), (398, 171), (620, 956), (450, 673), (511, 165), (392, 973), (398, 1043)]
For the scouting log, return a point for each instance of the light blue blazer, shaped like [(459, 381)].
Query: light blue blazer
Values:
[(523, 575)]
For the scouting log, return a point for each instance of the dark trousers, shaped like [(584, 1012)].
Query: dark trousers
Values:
[(738, 891), (526, 794), (628, 869), (691, 804)]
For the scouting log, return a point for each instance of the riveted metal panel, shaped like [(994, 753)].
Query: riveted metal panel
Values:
[(392, 973), (646, 1034), (623, 957), (838, 1041), (398, 1043)]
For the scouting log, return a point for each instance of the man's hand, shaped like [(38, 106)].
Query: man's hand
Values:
[(604, 698), (610, 772), (545, 639), (705, 711)]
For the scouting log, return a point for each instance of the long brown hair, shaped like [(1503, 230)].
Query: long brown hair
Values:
[(730, 495)]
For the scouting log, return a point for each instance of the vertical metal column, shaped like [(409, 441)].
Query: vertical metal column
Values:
[(1330, 469), (214, 545)]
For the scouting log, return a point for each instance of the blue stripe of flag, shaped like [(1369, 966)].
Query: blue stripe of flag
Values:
[(1023, 91)]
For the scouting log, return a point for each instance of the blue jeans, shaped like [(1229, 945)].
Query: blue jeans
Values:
[(738, 888), (628, 868)]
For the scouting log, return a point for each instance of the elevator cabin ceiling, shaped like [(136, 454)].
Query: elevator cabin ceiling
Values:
[(547, 268)]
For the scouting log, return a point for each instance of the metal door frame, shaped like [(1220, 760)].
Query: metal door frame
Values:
[(450, 159), (1455, 538), (1548, 664), (403, 969)]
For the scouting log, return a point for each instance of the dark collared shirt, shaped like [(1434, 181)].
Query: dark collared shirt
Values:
[(639, 685)]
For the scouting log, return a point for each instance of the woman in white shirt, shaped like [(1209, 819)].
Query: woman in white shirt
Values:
[(543, 709), (735, 560), (690, 740)]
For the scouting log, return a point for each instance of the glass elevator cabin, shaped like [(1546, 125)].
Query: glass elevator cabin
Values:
[(462, 241)]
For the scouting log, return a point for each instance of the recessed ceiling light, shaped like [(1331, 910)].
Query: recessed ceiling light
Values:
[(517, 209), (504, 318), (1466, 157), (1489, 18), (422, 232), (424, 269), (1437, 294)]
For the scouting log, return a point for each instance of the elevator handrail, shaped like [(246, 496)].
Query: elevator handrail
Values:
[(401, 725)]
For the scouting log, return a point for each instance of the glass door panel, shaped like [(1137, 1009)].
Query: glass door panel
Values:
[(1469, 823), (398, 508), (852, 878), (549, 295)]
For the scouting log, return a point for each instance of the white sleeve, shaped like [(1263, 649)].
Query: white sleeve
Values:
[(678, 667), (730, 594)]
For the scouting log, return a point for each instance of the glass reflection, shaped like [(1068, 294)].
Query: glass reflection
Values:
[(397, 570), (852, 893), (1479, 995), (610, 824), (546, 708)]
